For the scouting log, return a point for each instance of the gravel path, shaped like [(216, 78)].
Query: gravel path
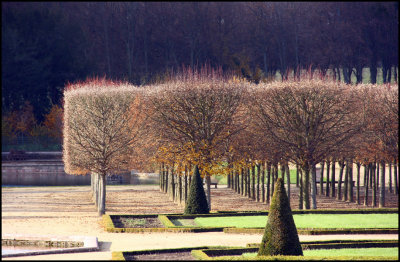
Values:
[(66, 211)]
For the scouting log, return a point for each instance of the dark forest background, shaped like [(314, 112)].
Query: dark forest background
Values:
[(45, 45)]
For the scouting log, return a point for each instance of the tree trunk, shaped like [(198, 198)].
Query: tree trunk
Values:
[(373, 68), (301, 189), (395, 178), (172, 192), (333, 178), (390, 178), (253, 182), (350, 182), (358, 183), (346, 181), (288, 181), (377, 176), (258, 183), (208, 182), (328, 164), (274, 171), (373, 174), (306, 186), (262, 182), (248, 183), (283, 172), (186, 183), (166, 179), (341, 164), (268, 183), (180, 189), (382, 188), (97, 186), (313, 186), (371, 184), (366, 174), (321, 179), (106, 40), (102, 197), (242, 181), (297, 176)]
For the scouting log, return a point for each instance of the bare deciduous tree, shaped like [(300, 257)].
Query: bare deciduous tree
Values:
[(102, 123)]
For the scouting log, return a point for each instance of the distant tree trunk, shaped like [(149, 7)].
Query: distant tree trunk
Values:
[(301, 190), (162, 177), (180, 188), (258, 183), (350, 182), (186, 184), (253, 182), (371, 184), (242, 181), (346, 181), (172, 192), (208, 180), (341, 165), (274, 177), (347, 74), (166, 179), (382, 188), (321, 179), (333, 178), (297, 176), (328, 164), (283, 172), (358, 183), (377, 175), (390, 177), (288, 181), (366, 174), (313, 187), (262, 182), (373, 68), (373, 174), (268, 182), (106, 40), (395, 178)]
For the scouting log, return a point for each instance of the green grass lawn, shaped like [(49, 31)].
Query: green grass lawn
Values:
[(384, 252), (307, 221)]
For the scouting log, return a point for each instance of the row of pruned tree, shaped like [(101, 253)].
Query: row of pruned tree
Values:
[(226, 125)]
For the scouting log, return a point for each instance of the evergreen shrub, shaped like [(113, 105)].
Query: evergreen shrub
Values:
[(197, 201), (280, 235)]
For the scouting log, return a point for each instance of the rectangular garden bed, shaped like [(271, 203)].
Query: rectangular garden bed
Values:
[(187, 223)]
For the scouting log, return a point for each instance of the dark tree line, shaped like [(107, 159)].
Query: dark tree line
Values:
[(45, 45)]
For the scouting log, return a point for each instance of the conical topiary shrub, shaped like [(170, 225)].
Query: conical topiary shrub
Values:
[(197, 201), (280, 235)]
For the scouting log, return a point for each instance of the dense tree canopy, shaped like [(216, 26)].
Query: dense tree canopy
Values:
[(45, 45)]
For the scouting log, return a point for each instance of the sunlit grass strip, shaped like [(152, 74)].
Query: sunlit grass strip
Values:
[(308, 221)]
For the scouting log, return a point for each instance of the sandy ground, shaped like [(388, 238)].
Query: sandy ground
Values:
[(67, 211)]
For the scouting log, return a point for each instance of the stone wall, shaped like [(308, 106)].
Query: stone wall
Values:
[(47, 169), (39, 173)]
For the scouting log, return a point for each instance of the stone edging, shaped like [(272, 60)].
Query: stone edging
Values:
[(89, 244)]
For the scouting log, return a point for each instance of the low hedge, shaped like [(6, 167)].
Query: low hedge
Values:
[(315, 211), (117, 255), (110, 227), (336, 244), (232, 254), (165, 219), (314, 231)]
